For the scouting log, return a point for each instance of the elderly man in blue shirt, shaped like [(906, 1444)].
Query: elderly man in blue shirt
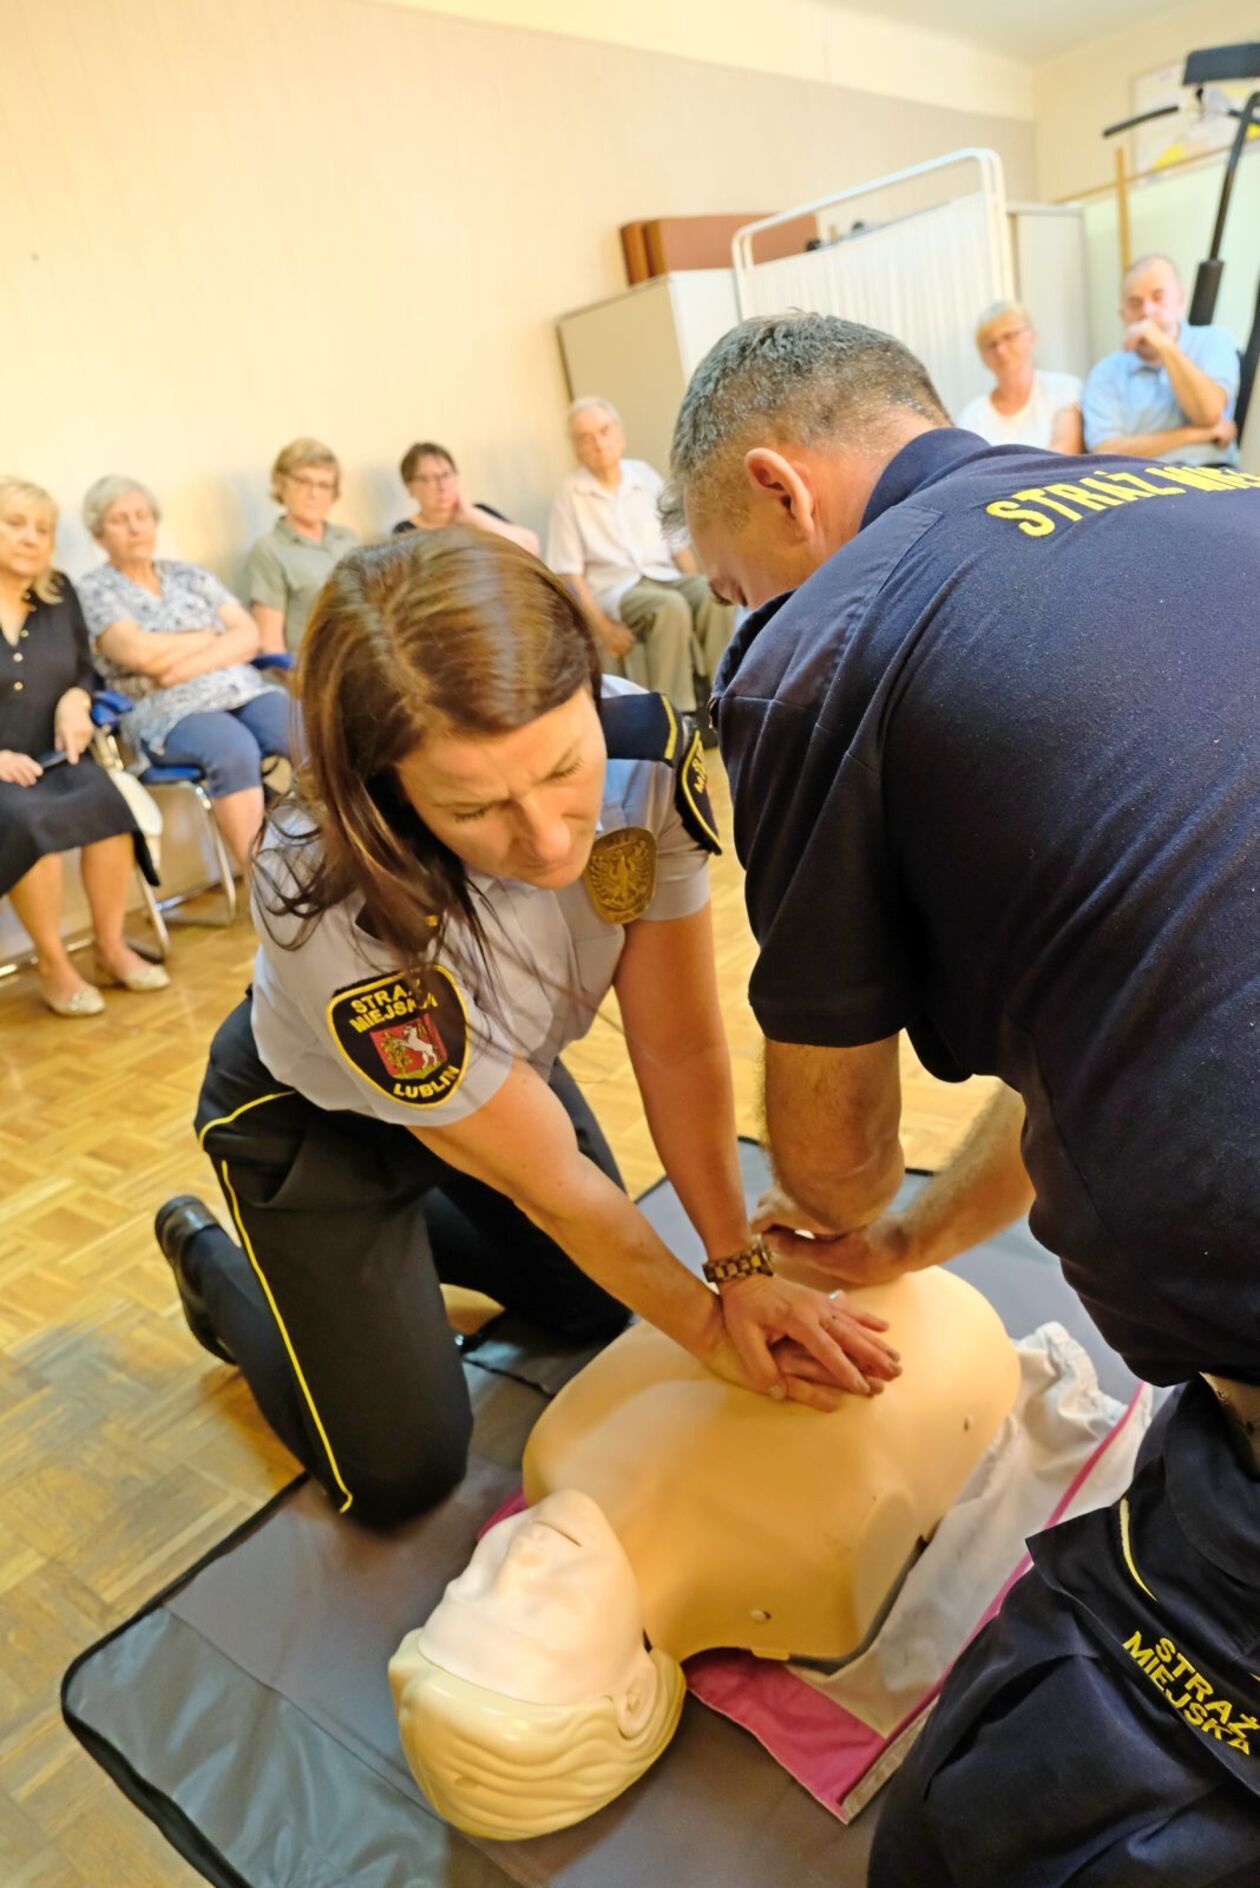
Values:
[(1168, 391)]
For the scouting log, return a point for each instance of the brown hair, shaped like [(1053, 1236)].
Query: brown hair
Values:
[(452, 628), (427, 449), (296, 457)]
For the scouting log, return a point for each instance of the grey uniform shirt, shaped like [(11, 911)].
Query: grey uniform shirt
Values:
[(333, 1020)]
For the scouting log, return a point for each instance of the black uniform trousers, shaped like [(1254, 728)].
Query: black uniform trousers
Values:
[(331, 1304), (1104, 1729)]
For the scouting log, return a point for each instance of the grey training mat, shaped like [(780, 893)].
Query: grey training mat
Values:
[(246, 1710)]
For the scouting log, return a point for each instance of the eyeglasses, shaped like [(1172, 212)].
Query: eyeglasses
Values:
[(997, 340), (310, 484), (434, 478)]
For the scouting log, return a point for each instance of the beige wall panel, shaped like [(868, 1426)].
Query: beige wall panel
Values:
[(1076, 95), (226, 222)]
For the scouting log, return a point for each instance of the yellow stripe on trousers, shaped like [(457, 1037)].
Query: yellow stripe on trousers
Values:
[(298, 1372), (222, 1121)]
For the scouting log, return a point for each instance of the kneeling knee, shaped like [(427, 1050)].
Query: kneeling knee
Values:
[(411, 1481)]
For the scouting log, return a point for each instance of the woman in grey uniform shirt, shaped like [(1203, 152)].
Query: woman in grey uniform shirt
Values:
[(468, 868)]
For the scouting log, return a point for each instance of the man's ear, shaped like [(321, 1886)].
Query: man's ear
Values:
[(776, 477)]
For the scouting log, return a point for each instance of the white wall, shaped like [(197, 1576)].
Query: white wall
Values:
[(227, 222), (801, 39), (1076, 95)]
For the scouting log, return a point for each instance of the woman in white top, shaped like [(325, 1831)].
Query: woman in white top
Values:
[(1026, 407)]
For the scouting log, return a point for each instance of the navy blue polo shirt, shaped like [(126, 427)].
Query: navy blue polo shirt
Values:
[(996, 778)]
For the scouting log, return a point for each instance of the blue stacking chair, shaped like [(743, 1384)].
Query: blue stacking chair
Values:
[(108, 708)]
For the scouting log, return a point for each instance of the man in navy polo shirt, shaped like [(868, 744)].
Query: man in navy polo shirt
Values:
[(995, 763)]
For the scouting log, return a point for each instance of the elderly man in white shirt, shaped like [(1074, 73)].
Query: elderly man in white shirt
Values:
[(654, 616)]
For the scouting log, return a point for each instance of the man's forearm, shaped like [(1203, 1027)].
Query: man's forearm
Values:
[(1202, 399), (1151, 445), (979, 1191), (832, 1120), (586, 598)]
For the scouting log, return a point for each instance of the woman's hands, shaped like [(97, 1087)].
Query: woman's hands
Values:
[(18, 770), (72, 724), (783, 1340), (760, 1313)]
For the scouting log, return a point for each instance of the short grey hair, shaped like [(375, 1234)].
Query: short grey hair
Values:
[(587, 403), (807, 379), (106, 492), (1144, 262), (998, 311)]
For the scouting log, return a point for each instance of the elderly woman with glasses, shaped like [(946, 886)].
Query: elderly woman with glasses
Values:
[(430, 475), (288, 566), (1026, 406), (174, 639)]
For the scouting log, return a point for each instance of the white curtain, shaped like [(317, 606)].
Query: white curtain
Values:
[(924, 278)]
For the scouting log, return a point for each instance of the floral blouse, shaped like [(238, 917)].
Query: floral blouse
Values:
[(190, 599)]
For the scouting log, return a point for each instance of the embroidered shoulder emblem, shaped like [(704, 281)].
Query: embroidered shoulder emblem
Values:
[(692, 796), (414, 1050), (621, 874)]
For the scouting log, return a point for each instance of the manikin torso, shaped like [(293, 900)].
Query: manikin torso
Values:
[(769, 1526)]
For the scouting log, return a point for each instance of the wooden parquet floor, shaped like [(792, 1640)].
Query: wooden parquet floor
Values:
[(125, 1451)]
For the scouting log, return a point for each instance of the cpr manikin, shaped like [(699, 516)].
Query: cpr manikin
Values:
[(672, 1503)]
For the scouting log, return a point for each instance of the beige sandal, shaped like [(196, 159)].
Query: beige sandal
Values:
[(85, 1002), (142, 982)]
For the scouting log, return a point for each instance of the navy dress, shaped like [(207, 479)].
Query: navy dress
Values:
[(68, 806)]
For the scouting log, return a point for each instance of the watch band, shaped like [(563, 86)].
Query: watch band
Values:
[(753, 1259)]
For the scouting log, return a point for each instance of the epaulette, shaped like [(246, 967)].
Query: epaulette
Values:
[(645, 726)]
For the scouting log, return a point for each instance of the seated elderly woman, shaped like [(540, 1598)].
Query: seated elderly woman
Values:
[(287, 566), (1026, 407), (173, 638), (430, 475), (53, 796)]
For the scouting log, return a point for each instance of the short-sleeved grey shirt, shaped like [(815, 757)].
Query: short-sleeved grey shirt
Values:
[(287, 571), (332, 1020)]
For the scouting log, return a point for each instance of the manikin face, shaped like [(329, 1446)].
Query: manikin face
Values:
[(309, 495), (1006, 347), (1153, 293), (597, 439), (523, 805), (435, 489), (128, 530), (547, 1609), (26, 538)]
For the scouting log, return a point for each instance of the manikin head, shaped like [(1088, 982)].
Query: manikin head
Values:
[(528, 1698), (783, 432), (1152, 291)]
